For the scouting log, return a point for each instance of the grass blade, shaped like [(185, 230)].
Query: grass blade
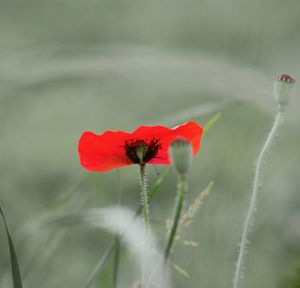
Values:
[(211, 122), (15, 269), (99, 266), (116, 261)]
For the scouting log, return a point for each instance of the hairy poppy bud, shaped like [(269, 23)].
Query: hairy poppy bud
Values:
[(283, 88), (181, 154)]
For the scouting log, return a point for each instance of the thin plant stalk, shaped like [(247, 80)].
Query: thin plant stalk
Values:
[(252, 206), (117, 244), (145, 212), (144, 195), (182, 190), (116, 261), (99, 267), (154, 189)]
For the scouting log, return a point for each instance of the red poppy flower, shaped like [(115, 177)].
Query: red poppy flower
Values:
[(147, 144)]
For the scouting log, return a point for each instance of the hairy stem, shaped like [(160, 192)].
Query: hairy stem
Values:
[(144, 196), (182, 189), (252, 206), (145, 212), (117, 244)]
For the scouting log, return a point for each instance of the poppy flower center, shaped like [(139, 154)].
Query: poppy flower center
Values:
[(139, 151)]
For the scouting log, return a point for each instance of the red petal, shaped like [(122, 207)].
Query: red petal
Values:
[(191, 131), (102, 152), (105, 152)]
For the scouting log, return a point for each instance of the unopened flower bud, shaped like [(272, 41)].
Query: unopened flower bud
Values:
[(283, 89), (181, 154)]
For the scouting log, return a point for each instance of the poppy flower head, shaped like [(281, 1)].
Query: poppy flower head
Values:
[(139, 151), (147, 144)]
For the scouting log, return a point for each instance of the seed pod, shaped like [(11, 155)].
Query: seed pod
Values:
[(283, 89), (181, 155)]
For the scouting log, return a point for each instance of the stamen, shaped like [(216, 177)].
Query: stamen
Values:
[(152, 150), (139, 151)]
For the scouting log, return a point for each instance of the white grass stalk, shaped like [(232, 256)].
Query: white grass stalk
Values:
[(238, 273), (130, 229)]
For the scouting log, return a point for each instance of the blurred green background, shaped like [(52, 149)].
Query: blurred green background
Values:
[(68, 66)]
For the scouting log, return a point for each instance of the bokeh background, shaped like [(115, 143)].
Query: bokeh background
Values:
[(68, 66)]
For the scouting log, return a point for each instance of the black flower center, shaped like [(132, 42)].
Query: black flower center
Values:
[(139, 151)]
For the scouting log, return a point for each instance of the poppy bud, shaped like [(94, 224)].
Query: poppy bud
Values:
[(181, 155), (283, 89)]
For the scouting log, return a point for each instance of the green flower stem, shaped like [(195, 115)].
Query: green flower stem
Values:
[(145, 212), (252, 206), (182, 190), (117, 244), (144, 196), (154, 189)]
